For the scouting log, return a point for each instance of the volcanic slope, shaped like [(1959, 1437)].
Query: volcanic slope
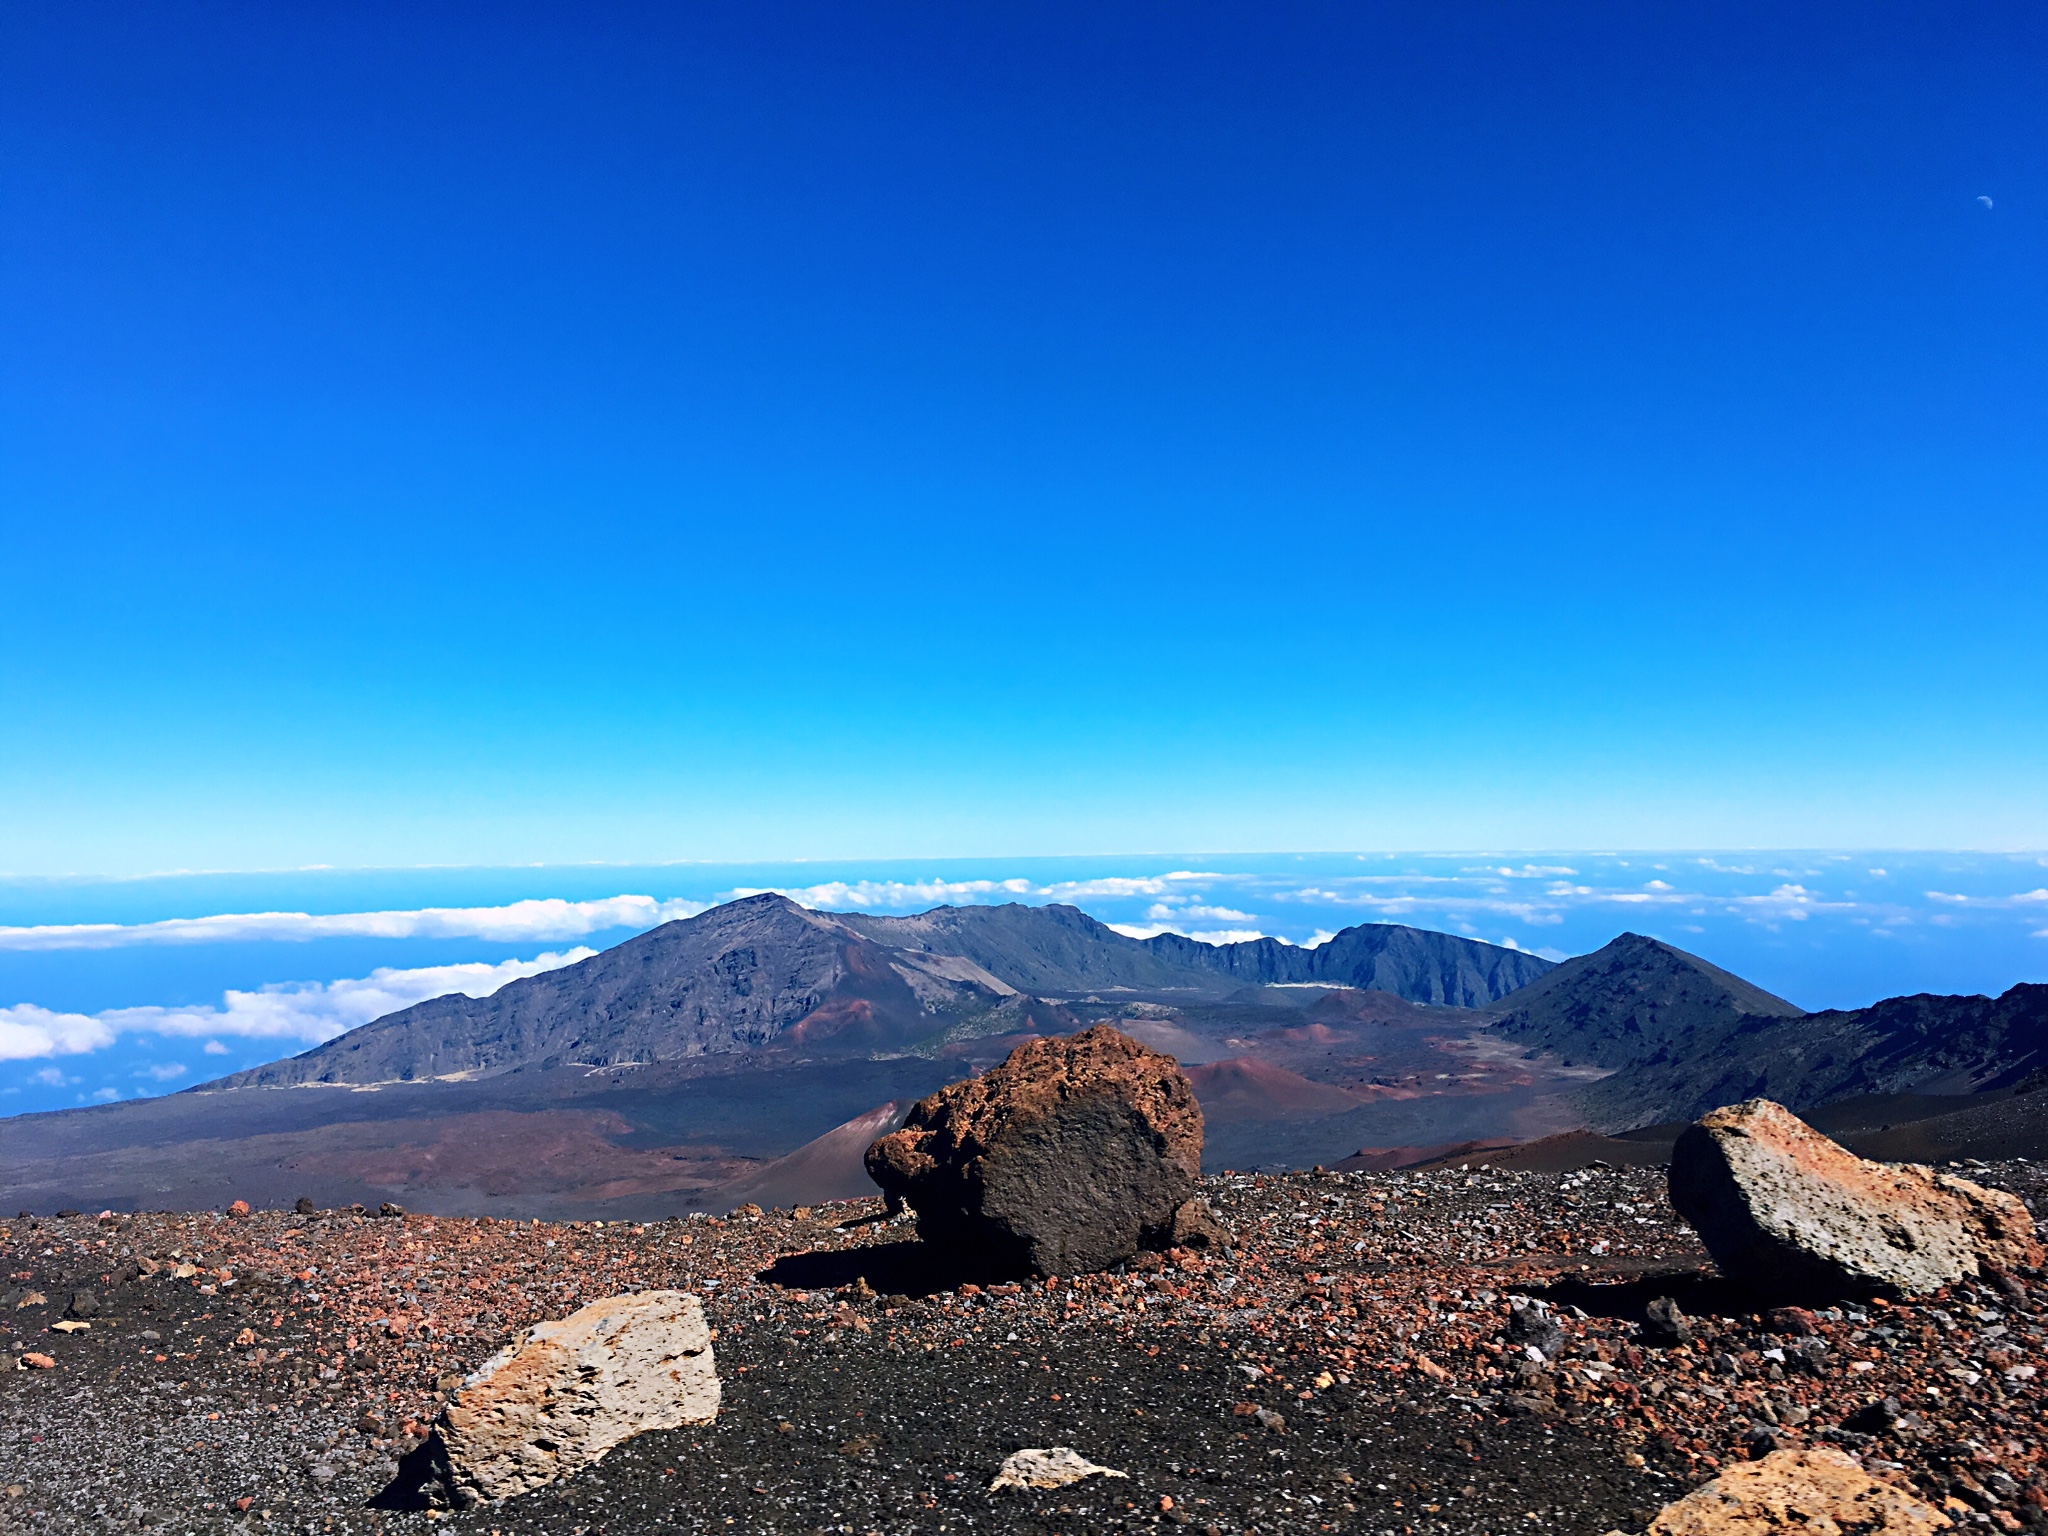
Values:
[(764, 975), (1681, 1037), (1061, 951)]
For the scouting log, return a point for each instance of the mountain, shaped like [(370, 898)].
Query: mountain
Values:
[(766, 976), (1682, 1037), (1636, 1001), (1060, 950)]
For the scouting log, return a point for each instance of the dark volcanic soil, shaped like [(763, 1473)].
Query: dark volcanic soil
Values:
[(1366, 1310)]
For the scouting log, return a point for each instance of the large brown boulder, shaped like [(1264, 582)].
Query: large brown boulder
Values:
[(1783, 1208), (1067, 1158)]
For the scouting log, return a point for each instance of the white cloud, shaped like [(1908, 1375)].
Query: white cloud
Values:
[(1214, 936), (1163, 910), (53, 1077), (215, 1048), (1155, 885), (865, 895), (898, 895), (310, 1012), (106, 1095), (2021, 899), (518, 922), (163, 1072), (27, 1032)]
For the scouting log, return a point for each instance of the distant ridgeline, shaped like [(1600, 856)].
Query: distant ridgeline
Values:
[(764, 975), (764, 978), (1683, 1037)]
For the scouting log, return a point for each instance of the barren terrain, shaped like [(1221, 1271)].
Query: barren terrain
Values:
[(1343, 1368)]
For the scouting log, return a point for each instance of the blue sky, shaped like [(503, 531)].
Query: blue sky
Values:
[(461, 434)]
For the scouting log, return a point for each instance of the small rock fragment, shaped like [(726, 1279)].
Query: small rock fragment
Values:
[(83, 1304), (390, 1208), (1195, 1227), (1053, 1468), (1664, 1324), (35, 1360), (1530, 1326), (305, 1206), (1817, 1492), (1795, 1322), (238, 1209)]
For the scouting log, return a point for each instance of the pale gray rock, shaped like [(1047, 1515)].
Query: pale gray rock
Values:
[(564, 1393), (1784, 1209), (1053, 1468)]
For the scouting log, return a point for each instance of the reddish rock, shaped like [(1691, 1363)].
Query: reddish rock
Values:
[(1067, 1158), (1781, 1206), (239, 1209), (1195, 1227), (1794, 1321)]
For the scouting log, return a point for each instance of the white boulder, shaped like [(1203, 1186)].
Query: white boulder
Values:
[(564, 1393)]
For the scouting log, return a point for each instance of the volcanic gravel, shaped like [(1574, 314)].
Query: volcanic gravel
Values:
[(1355, 1363)]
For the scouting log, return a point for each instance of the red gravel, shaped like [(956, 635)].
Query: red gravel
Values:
[(304, 1355)]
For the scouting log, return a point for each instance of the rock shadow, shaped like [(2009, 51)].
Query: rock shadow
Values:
[(422, 1476), (910, 1268), (1699, 1293)]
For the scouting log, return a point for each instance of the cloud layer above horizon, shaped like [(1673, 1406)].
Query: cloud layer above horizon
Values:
[(305, 1013)]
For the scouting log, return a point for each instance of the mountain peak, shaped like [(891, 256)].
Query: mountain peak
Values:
[(1633, 1000)]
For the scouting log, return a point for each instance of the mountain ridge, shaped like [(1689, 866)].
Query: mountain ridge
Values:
[(766, 975), (1680, 1036)]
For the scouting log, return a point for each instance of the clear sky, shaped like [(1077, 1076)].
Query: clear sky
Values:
[(490, 433)]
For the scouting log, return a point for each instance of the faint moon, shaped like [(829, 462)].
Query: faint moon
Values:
[(1985, 201)]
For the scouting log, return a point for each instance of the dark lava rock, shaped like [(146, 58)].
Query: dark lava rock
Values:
[(390, 1208), (1532, 1326), (1874, 1418), (83, 1304), (1664, 1324), (305, 1207), (1067, 1158)]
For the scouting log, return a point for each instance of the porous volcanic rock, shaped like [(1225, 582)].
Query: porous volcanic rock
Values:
[(564, 1393), (1195, 1227), (1782, 1207), (1067, 1158), (1817, 1492)]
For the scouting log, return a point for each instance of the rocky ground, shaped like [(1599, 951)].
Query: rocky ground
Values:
[(1353, 1364)]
